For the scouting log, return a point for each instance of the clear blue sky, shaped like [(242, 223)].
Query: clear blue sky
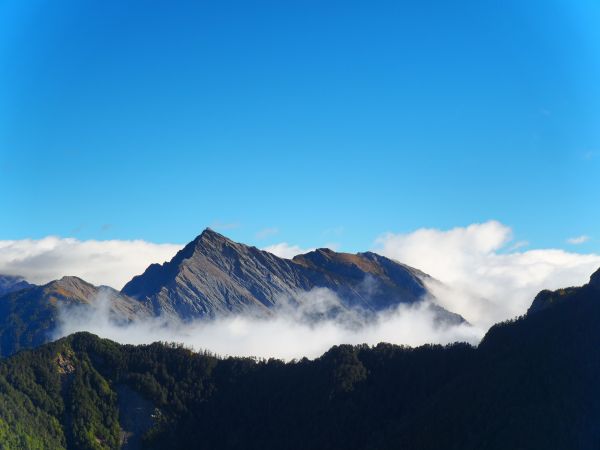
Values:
[(330, 121)]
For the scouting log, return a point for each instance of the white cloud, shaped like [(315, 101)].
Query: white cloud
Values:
[(486, 282), (285, 250), (578, 240), (111, 263), (297, 333)]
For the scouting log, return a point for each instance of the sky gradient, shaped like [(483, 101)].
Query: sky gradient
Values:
[(307, 122)]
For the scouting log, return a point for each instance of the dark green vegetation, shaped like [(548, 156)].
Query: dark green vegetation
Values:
[(531, 384)]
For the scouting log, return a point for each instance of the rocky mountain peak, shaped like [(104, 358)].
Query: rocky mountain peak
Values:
[(210, 235), (70, 280), (214, 275), (71, 287), (210, 243), (156, 276)]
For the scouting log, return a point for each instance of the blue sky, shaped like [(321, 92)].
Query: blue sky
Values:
[(328, 121)]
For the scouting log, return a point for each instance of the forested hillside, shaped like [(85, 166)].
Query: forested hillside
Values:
[(531, 384)]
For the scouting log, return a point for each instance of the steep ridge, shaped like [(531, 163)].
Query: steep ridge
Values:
[(213, 275), (29, 317), (530, 384)]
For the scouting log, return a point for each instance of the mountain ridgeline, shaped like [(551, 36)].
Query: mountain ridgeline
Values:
[(532, 383), (213, 276), (29, 316)]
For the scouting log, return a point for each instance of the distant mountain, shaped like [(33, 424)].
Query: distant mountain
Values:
[(213, 275), (28, 317), (531, 384), (11, 283)]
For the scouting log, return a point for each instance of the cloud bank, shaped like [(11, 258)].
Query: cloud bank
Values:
[(487, 279), (292, 332), (111, 263)]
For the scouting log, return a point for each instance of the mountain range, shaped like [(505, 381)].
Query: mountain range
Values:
[(211, 277), (532, 383)]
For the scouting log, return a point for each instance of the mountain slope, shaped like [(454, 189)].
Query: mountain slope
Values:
[(531, 384), (11, 283), (213, 275), (29, 317)]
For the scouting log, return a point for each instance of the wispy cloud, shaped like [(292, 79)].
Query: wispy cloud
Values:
[(578, 239), (266, 232), (517, 245)]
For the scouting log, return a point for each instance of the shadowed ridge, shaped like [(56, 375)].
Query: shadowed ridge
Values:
[(547, 298)]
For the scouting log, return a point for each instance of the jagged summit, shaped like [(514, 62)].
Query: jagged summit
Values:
[(208, 234), (70, 288), (214, 275), (156, 276)]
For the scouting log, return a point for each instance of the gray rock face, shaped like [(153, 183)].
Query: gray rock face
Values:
[(213, 275)]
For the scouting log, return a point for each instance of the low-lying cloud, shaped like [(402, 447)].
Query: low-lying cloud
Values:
[(296, 329), (485, 276), (111, 262), (486, 279)]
